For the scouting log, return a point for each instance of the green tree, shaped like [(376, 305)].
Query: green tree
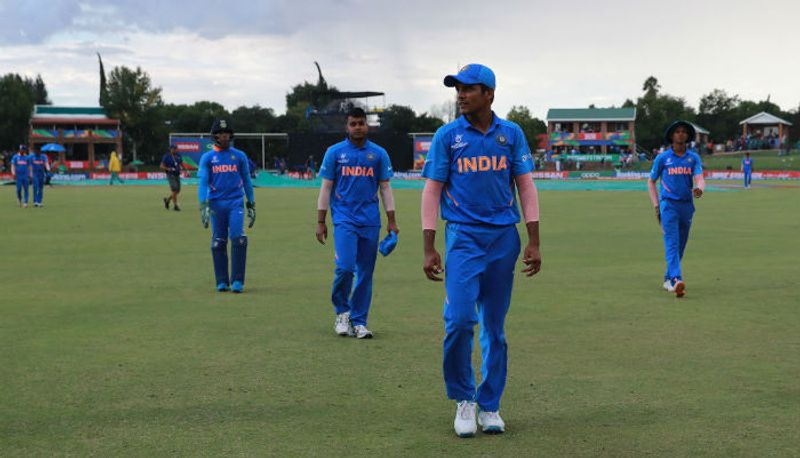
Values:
[(718, 113), (39, 91), (402, 119), (134, 100), (103, 83), (196, 117), (18, 95), (253, 119), (531, 126), (654, 112)]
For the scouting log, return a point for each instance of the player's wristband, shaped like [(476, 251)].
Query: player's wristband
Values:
[(321, 222)]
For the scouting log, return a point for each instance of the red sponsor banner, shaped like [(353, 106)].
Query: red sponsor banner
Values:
[(551, 175), (763, 175), (187, 146), (135, 176)]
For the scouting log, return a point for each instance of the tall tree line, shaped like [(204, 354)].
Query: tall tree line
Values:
[(131, 96)]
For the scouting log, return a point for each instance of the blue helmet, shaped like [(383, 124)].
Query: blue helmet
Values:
[(671, 129), (221, 125)]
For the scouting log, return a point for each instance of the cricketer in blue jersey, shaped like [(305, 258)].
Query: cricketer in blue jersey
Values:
[(40, 167), (224, 180), (747, 170), (353, 171), (681, 175), (21, 169), (474, 168)]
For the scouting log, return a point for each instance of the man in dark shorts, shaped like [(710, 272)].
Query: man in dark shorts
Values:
[(171, 164)]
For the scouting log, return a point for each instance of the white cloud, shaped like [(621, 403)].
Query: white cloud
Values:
[(544, 54)]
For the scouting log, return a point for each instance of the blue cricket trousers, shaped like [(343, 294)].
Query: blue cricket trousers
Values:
[(479, 275), (676, 220), (38, 188), (23, 182), (356, 249), (227, 218)]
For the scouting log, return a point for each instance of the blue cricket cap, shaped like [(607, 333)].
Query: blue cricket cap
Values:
[(388, 243), (23, 147), (472, 74)]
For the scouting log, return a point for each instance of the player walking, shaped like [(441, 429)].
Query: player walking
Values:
[(747, 169), (171, 164), (352, 173), (681, 174), (224, 180), (115, 167), (472, 169), (21, 171), (40, 167)]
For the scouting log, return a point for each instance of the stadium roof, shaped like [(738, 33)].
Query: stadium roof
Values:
[(765, 118), (699, 130), (352, 94), (50, 114), (591, 114)]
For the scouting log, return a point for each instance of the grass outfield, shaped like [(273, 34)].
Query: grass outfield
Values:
[(114, 343)]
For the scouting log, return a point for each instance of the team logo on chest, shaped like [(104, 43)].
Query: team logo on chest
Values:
[(458, 143), (371, 156), (501, 140), (482, 164), (357, 171)]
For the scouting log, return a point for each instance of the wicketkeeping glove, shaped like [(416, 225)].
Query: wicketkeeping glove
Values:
[(251, 213), (205, 213)]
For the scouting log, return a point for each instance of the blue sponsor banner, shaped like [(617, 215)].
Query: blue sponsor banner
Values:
[(192, 148)]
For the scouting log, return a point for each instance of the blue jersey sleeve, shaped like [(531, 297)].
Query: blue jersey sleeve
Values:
[(203, 177), (385, 172), (437, 163), (698, 165), (658, 166), (244, 172), (164, 160), (328, 169), (521, 160)]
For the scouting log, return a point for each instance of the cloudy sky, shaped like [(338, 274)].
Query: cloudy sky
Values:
[(546, 54)]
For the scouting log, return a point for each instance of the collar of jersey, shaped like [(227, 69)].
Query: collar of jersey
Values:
[(462, 121), (685, 155), (354, 146)]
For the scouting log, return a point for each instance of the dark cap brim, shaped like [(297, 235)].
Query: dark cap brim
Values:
[(452, 80)]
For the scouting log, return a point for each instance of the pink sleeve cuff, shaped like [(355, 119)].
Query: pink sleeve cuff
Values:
[(430, 203), (700, 182), (528, 197)]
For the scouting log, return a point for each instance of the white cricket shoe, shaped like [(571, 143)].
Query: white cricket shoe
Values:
[(362, 332), (669, 286), (491, 423), (342, 324), (464, 423)]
